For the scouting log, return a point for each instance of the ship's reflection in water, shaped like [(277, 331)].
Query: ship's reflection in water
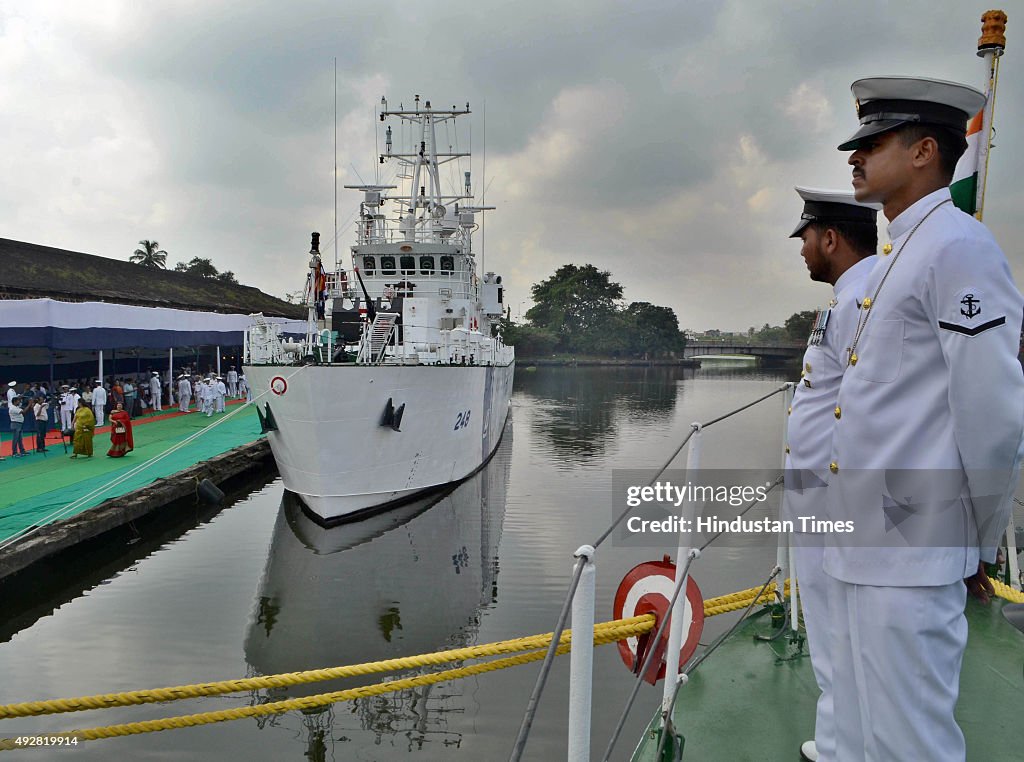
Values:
[(408, 581)]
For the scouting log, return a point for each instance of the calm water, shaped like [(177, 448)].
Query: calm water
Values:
[(257, 589)]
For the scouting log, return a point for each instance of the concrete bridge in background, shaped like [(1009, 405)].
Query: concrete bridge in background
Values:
[(778, 353)]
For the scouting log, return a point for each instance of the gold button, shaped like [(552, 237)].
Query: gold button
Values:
[(790, 411), (833, 467), (787, 449), (808, 367), (839, 412), (887, 249), (853, 359), (802, 374), (807, 383), (866, 304)]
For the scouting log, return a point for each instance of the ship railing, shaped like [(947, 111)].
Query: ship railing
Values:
[(446, 347), (449, 284), (337, 285), (580, 601), (383, 232)]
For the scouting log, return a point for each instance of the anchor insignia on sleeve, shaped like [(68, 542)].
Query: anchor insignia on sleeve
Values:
[(972, 306)]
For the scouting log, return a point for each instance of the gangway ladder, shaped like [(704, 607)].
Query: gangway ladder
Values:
[(376, 338)]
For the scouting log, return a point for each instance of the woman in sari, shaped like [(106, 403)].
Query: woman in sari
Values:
[(121, 440), (85, 425)]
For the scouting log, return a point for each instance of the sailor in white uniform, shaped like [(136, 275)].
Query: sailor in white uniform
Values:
[(233, 382), (839, 237), (99, 402), (208, 395), (155, 391), (184, 393), (68, 404), (927, 443), (220, 391)]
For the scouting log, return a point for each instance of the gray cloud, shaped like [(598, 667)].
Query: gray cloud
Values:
[(660, 141)]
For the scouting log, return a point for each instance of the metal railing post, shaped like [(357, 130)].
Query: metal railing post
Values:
[(675, 631), (782, 552), (581, 666), (1011, 554)]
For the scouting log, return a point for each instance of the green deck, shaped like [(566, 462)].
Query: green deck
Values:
[(40, 483), (744, 703)]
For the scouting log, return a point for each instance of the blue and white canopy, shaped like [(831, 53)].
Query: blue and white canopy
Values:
[(101, 325)]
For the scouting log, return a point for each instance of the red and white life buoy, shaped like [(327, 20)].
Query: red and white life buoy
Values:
[(647, 589), (278, 385)]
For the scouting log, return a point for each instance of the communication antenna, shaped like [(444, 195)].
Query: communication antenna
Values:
[(335, 162)]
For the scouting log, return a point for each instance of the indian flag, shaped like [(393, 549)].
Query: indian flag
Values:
[(964, 187)]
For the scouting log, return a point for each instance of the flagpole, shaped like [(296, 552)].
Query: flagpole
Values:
[(991, 46)]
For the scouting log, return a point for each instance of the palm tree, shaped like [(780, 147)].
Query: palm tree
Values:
[(149, 255)]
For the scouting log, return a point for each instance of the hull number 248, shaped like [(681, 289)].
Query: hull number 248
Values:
[(462, 420)]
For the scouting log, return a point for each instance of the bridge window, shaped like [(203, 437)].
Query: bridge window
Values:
[(408, 264), (387, 265), (369, 264), (447, 264), (426, 265)]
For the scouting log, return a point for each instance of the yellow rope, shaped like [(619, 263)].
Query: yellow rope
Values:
[(130, 698), (637, 626), (1006, 592), (712, 607)]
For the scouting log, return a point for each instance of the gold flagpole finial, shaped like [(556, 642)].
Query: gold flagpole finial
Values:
[(993, 31)]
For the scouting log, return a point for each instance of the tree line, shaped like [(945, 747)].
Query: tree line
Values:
[(579, 310), (151, 255)]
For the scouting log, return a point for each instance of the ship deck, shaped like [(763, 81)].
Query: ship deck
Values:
[(38, 484), (755, 700)]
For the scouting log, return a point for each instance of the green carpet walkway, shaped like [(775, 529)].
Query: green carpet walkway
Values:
[(37, 485)]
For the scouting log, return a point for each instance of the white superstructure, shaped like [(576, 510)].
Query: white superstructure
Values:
[(402, 382)]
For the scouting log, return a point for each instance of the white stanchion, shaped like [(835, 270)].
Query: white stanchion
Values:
[(1011, 554), (675, 630), (783, 552), (581, 659)]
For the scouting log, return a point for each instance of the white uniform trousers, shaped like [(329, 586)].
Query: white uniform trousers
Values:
[(67, 418), (896, 657), (183, 403), (157, 399), (98, 410), (808, 550)]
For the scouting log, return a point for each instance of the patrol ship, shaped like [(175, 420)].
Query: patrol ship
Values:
[(401, 383)]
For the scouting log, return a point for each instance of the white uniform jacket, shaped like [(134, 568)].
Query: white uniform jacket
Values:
[(812, 416), (926, 451)]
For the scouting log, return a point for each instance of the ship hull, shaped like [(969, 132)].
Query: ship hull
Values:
[(333, 451)]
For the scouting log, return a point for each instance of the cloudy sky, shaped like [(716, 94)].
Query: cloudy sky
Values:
[(657, 140)]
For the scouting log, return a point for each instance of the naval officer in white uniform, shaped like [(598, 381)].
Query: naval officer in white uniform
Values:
[(926, 452), (99, 402), (839, 236), (155, 391)]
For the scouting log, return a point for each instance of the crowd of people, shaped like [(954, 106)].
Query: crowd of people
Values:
[(76, 408)]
